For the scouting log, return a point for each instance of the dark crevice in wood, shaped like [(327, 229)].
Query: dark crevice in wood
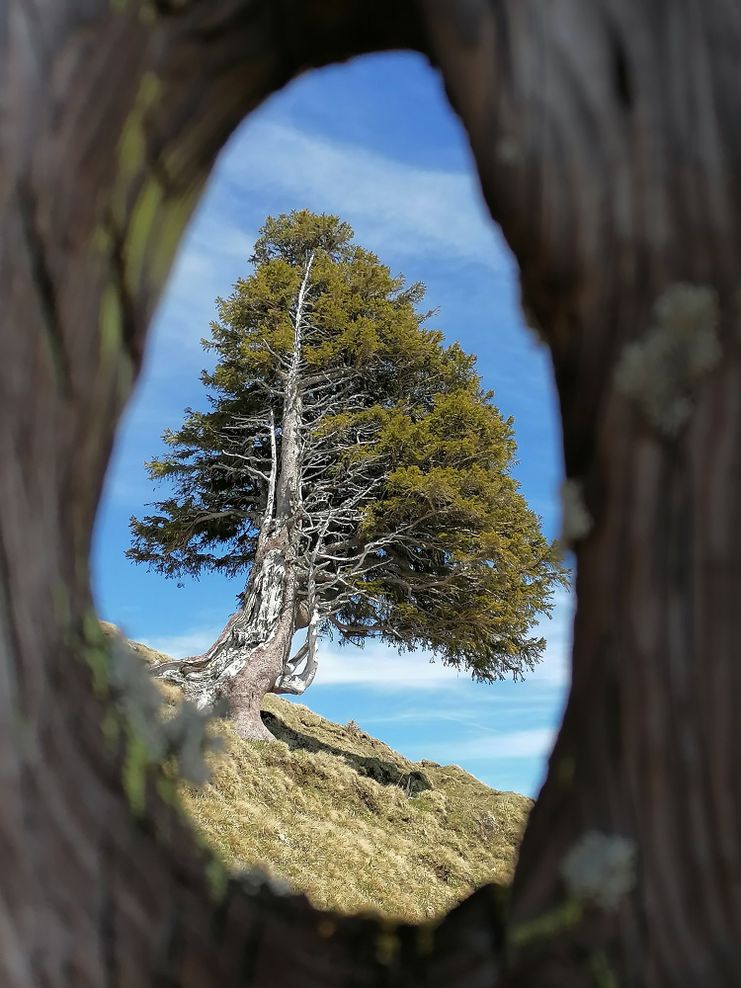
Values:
[(46, 293), (170, 964), (621, 75), (464, 17), (130, 323), (169, 8), (7, 624), (503, 42), (251, 949), (313, 33), (107, 916), (217, 28)]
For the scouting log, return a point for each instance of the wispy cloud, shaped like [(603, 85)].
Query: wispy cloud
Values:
[(213, 254), (380, 667), (399, 205), (375, 666), (533, 742), (398, 209), (192, 642), (555, 668)]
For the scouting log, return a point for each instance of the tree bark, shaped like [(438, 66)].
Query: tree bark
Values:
[(607, 140), (611, 162), (252, 654), (248, 658)]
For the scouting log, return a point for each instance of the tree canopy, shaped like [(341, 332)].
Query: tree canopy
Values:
[(408, 523)]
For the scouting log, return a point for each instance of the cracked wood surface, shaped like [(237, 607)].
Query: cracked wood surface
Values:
[(607, 140)]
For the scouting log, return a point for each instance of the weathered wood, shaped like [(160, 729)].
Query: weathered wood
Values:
[(252, 653), (605, 142), (607, 139)]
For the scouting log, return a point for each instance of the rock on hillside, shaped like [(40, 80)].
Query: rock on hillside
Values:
[(347, 820)]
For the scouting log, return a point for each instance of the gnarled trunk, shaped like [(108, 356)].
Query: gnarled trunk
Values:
[(248, 658), (252, 655)]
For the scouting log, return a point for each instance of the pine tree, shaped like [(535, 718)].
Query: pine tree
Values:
[(353, 467)]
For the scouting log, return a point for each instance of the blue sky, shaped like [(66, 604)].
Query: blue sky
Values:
[(375, 142)]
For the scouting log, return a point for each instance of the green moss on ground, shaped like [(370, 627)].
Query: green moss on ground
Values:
[(347, 820)]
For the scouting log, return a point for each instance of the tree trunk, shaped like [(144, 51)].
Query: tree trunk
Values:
[(606, 135), (251, 655), (613, 167), (247, 659)]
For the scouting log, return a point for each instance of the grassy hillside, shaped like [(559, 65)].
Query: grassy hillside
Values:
[(349, 821)]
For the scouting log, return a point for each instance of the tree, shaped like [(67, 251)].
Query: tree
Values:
[(606, 138), (353, 465)]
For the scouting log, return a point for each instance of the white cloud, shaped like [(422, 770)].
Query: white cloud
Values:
[(396, 208), (399, 205), (555, 668), (400, 210), (374, 666), (213, 254), (193, 642), (534, 742), (380, 667)]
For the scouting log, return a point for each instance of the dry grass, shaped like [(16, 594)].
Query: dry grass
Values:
[(349, 821)]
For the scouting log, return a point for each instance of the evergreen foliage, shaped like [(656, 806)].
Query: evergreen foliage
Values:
[(411, 526)]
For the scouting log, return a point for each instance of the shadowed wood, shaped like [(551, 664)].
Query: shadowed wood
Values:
[(607, 139)]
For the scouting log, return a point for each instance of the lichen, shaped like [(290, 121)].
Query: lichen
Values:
[(217, 877), (143, 221), (134, 772), (152, 221), (602, 972), (661, 371), (600, 869), (576, 522), (508, 150), (110, 322), (548, 926), (95, 654), (565, 770), (132, 145), (152, 743)]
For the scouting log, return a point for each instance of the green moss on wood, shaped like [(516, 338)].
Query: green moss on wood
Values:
[(217, 878), (549, 926), (111, 325), (95, 654), (136, 765), (603, 974)]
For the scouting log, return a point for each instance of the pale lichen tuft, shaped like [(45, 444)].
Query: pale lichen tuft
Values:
[(183, 737), (600, 869), (576, 522), (134, 716), (256, 880), (661, 371), (508, 151)]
